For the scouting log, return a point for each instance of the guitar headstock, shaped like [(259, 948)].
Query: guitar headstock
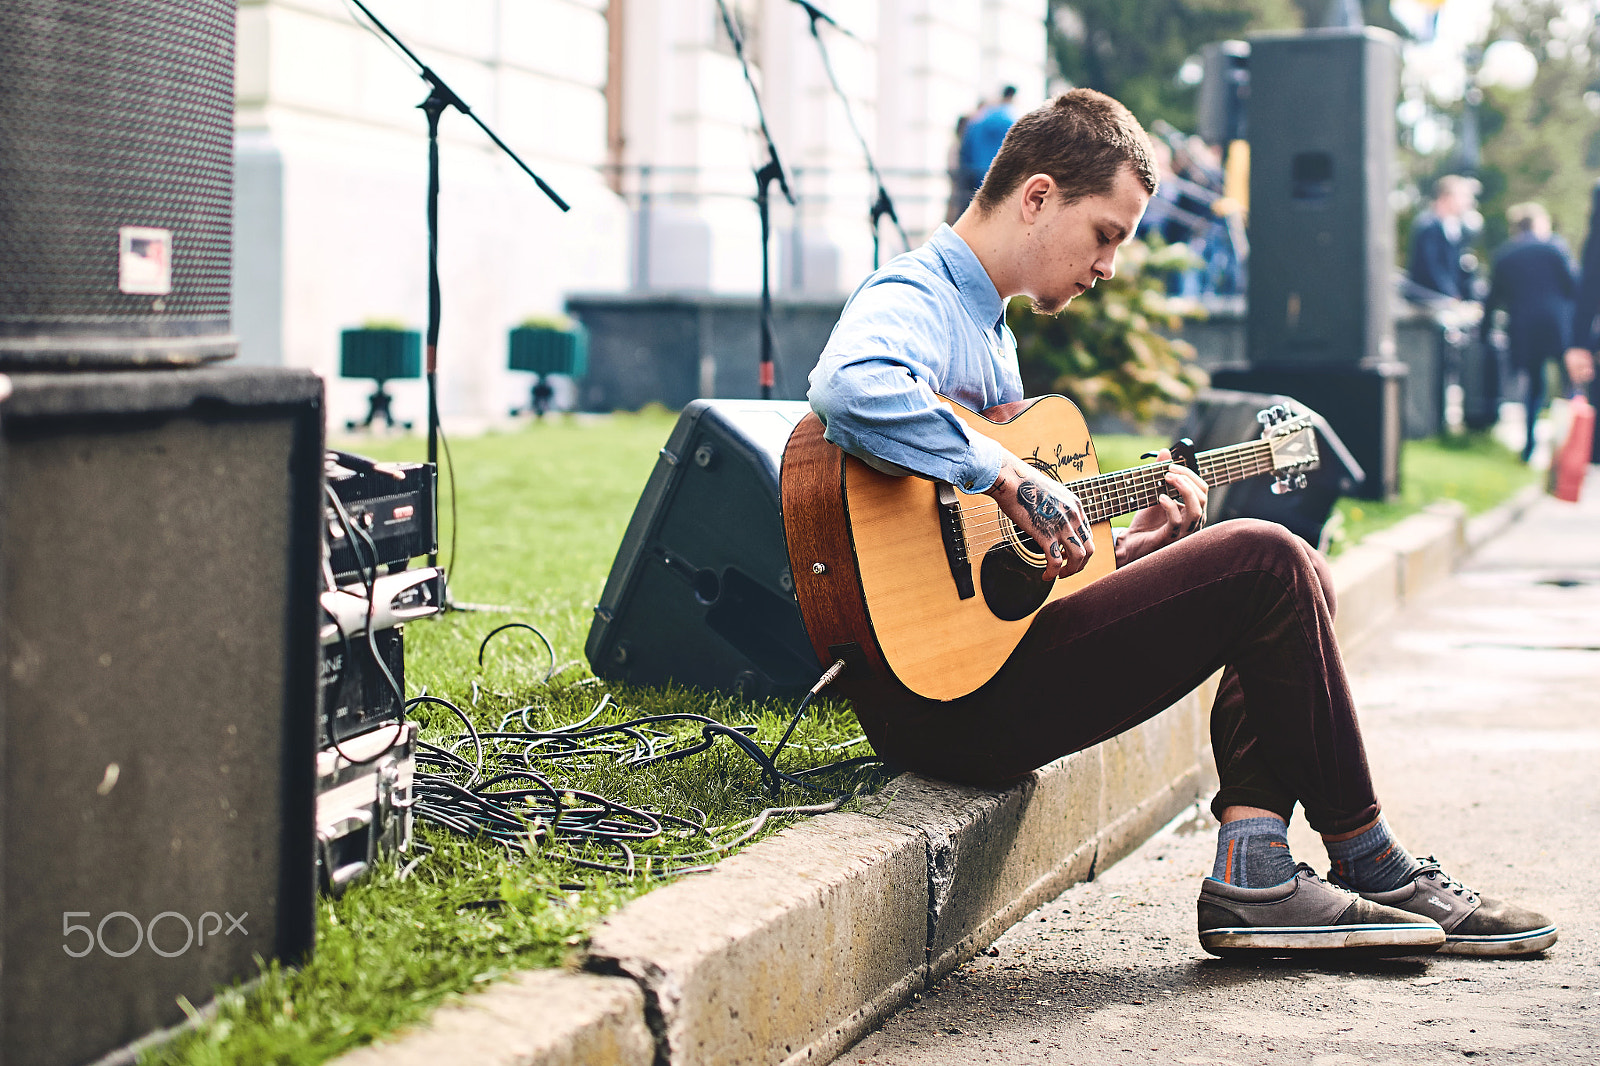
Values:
[(1293, 441)]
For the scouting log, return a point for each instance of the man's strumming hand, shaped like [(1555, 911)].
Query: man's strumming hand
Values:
[(1048, 512)]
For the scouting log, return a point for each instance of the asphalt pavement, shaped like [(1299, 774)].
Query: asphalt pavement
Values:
[(1481, 710)]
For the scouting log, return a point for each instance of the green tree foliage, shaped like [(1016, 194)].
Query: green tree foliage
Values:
[(1543, 143), (1111, 351), (1134, 51)]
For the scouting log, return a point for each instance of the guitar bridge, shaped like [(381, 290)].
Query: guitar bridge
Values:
[(954, 533)]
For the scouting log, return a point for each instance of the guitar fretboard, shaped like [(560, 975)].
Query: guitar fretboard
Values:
[(1106, 496)]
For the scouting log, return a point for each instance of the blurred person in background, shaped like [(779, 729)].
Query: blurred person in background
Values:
[(1440, 237), (985, 132), (1532, 280), (962, 182)]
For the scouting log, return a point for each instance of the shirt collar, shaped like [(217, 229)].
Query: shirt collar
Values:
[(978, 294)]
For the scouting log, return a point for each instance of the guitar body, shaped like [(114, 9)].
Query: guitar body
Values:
[(918, 587), (872, 566)]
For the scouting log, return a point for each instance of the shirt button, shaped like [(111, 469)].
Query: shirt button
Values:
[(969, 483)]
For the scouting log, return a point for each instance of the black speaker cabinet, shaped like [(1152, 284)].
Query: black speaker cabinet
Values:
[(1322, 232), (700, 593), (116, 182), (1364, 405), (160, 554), (1220, 417)]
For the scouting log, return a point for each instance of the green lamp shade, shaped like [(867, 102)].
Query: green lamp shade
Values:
[(381, 354), (541, 350)]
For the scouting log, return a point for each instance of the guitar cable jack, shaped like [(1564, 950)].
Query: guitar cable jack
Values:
[(822, 682), (827, 677)]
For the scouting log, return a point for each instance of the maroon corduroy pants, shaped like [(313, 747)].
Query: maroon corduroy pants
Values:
[(1247, 596)]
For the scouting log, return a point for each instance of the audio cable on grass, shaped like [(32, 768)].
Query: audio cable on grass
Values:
[(512, 785)]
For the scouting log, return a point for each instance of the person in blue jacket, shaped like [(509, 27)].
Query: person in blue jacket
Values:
[(981, 140), (1440, 239), (1532, 279)]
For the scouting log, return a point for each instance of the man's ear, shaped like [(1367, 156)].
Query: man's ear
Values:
[(1035, 193)]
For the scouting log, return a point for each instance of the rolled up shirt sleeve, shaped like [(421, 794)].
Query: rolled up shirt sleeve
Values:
[(877, 382)]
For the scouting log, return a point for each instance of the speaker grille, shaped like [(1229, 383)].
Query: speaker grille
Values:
[(111, 115)]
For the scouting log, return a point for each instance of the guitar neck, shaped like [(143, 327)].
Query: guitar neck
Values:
[(1106, 496)]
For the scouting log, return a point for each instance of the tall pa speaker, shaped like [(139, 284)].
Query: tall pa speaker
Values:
[(160, 552), (116, 182), (1322, 144), (700, 593)]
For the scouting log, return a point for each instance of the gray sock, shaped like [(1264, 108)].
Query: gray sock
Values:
[(1253, 853), (1373, 861)]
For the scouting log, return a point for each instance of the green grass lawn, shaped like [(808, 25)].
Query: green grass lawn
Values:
[(1477, 470), (538, 518)]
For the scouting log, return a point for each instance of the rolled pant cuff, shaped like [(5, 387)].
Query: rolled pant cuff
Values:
[(1325, 824), (1239, 796)]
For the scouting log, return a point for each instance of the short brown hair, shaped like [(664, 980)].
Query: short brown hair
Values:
[(1082, 139)]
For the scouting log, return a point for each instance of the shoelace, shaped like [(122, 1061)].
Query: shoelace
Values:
[(1304, 868), (1431, 870)]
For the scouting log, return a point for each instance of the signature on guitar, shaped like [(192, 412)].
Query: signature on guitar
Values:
[(1075, 460)]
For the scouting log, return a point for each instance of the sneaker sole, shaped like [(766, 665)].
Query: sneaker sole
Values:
[(1529, 943), (1369, 940)]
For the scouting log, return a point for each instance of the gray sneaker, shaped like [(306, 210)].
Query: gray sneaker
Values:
[(1473, 924), (1306, 914)]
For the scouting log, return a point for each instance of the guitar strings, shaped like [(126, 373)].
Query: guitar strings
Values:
[(1106, 496)]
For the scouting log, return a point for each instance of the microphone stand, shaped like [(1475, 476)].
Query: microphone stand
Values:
[(766, 174), (881, 205), (440, 97)]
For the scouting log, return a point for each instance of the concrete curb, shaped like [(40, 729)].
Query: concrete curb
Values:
[(793, 949), (1491, 524), (538, 1018)]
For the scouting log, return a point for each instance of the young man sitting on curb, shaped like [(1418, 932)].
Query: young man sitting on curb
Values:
[(1068, 187)]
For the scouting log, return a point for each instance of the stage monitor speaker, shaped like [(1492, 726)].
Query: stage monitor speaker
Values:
[(116, 182), (1322, 231), (160, 553), (1220, 417), (1364, 405), (700, 593)]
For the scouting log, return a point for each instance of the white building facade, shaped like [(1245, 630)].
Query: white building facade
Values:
[(635, 111)]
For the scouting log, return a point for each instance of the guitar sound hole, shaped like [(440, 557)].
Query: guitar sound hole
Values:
[(1012, 587)]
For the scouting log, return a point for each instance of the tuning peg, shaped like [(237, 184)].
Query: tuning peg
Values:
[(1264, 416), (1280, 485), (1299, 481)]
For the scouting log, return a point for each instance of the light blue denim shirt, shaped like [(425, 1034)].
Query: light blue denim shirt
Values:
[(929, 322)]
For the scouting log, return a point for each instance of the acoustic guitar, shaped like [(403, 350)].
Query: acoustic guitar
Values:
[(906, 578)]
